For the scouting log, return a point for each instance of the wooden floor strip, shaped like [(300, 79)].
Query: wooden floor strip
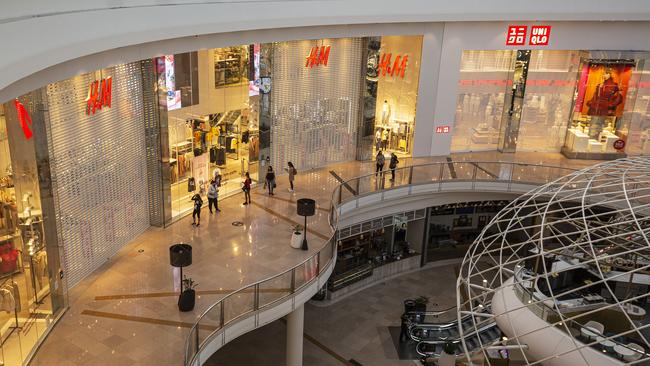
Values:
[(170, 294), (289, 220), (141, 319)]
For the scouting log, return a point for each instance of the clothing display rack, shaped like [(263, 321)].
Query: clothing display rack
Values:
[(16, 302)]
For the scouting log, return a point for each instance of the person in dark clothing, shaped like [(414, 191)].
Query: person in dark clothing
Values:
[(380, 160), (404, 332), (196, 214), (213, 196), (270, 180), (247, 189), (393, 165)]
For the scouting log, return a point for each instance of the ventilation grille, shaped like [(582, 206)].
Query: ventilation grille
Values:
[(98, 171)]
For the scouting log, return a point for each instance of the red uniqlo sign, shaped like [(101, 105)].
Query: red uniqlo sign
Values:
[(442, 129), (516, 35), (539, 35)]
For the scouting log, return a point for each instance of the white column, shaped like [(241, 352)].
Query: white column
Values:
[(429, 69), (295, 326)]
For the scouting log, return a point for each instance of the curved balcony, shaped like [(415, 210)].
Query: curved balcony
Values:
[(270, 299)]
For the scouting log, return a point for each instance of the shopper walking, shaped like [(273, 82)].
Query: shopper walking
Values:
[(292, 174), (404, 331), (393, 165), (247, 189), (270, 180), (196, 213), (380, 160), (213, 196)]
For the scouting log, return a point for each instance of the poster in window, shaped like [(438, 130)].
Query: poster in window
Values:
[(605, 89)]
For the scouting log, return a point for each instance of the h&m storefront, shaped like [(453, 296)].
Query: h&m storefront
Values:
[(241, 109), (89, 163)]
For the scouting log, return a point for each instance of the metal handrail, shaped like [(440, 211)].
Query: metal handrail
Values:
[(192, 352)]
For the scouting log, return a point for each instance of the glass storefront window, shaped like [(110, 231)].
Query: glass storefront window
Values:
[(597, 129), (214, 131), (26, 307), (482, 90), (396, 68)]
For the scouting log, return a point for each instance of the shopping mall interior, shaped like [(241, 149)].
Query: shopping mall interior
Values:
[(324, 183)]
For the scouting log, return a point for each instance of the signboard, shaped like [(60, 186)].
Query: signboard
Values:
[(619, 144), (318, 56), (539, 35), (24, 118), (398, 67), (443, 129), (99, 95)]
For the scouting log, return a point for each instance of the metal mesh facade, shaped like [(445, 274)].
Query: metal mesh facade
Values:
[(315, 110), (99, 175), (564, 271)]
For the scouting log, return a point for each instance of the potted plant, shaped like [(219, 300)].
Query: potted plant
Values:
[(296, 237), (448, 355), (187, 298)]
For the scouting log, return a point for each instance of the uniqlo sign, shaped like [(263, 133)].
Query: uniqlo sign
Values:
[(516, 35), (539, 35)]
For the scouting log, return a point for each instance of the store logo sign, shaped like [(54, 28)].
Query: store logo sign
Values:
[(442, 129), (516, 35), (25, 120), (619, 144), (318, 56), (99, 95), (539, 35), (397, 68)]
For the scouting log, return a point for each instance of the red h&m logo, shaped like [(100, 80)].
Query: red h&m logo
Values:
[(25, 120), (398, 68), (99, 95), (442, 129), (539, 35), (516, 35), (318, 56)]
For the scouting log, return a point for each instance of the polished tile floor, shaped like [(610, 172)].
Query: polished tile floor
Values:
[(126, 314)]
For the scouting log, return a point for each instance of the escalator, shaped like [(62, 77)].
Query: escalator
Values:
[(431, 336)]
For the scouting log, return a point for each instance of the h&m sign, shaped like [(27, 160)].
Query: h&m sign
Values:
[(99, 95), (318, 56), (397, 68)]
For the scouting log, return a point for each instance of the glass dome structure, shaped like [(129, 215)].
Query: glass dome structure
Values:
[(564, 271)]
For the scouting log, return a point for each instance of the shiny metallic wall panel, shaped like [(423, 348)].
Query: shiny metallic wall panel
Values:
[(99, 169), (315, 111)]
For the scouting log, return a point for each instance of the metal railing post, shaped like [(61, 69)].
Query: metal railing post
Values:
[(221, 316), (411, 175), (358, 186), (474, 172), (340, 193), (256, 298), (512, 172), (442, 167), (318, 264), (293, 280)]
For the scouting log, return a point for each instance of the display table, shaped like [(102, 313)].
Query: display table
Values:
[(595, 146), (608, 139)]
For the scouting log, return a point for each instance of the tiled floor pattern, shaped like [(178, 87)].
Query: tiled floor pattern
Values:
[(355, 328), (226, 257)]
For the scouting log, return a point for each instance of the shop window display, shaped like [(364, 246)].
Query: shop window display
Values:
[(25, 302), (396, 70), (482, 90), (596, 130), (217, 134)]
